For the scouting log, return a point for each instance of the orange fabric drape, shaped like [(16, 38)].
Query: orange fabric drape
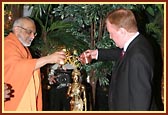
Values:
[(19, 72)]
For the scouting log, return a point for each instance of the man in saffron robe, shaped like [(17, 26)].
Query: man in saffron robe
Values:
[(21, 70)]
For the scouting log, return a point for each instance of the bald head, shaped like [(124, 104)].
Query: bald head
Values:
[(22, 21), (25, 30)]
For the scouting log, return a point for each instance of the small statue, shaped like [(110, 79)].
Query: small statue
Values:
[(76, 91)]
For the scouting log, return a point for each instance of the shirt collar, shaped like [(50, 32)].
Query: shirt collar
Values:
[(129, 41)]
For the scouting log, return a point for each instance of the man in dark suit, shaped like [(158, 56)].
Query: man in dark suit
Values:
[(132, 83)]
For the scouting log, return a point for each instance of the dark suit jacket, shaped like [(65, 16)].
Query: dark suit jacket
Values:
[(131, 86)]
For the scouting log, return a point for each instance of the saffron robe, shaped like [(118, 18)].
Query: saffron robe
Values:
[(19, 72)]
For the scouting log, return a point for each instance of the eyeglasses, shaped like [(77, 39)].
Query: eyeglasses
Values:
[(28, 31)]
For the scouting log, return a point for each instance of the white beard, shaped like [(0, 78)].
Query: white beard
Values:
[(24, 43)]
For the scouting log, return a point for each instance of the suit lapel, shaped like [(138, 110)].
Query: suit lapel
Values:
[(122, 58)]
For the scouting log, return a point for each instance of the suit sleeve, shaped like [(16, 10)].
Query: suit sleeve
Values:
[(109, 54)]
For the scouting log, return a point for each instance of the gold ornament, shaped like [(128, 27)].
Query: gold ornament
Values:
[(76, 91)]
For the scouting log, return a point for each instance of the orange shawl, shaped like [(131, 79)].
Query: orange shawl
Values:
[(19, 72)]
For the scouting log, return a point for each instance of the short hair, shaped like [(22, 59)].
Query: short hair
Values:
[(123, 18), (20, 21)]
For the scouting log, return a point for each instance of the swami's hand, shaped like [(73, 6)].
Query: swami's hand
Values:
[(57, 57)]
